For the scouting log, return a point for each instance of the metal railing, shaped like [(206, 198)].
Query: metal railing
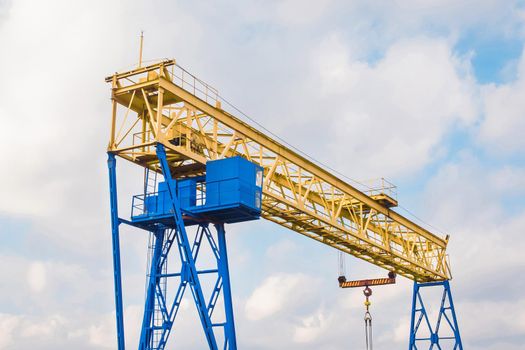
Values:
[(194, 85), (140, 138), (152, 202), (144, 204), (380, 186)]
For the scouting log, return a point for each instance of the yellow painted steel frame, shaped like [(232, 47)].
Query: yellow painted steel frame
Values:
[(163, 103)]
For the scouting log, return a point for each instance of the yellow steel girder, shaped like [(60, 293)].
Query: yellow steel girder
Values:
[(164, 103)]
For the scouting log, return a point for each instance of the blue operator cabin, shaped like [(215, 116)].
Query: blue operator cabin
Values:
[(230, 192)]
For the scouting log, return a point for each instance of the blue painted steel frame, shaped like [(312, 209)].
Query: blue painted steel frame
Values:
[(419, 314), (224, 272), (155, 335), (159, 314), (115, 222), (186, 251)]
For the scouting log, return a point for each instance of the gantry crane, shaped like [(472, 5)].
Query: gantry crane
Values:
[(217, 169)]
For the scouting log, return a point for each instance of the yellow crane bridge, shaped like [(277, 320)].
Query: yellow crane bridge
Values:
[(163, 103)]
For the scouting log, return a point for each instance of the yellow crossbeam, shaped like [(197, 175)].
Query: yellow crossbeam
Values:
[(172, 107)]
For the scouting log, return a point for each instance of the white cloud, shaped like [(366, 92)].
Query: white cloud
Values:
[(294, 11), (277, 293), (44, 328), (36, 276), (506, 314), (281, 250), (48, 331), (509, 180), (102, 334), (49, 126), (390, 117), (391, 20), (311, 327), (504, 114), (399, 334), (28, 331), (8, 324)]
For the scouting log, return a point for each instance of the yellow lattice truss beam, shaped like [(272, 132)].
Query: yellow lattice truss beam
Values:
[(164, 103)]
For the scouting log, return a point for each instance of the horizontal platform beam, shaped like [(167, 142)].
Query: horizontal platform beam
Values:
[(367, 282)]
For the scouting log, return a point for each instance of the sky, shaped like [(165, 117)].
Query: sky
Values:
[(428, 94)]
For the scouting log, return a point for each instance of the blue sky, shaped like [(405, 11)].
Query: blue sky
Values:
[(430, 95)]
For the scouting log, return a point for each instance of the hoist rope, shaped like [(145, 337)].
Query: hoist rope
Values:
[(342, 263), (368, 319), (368, 330)]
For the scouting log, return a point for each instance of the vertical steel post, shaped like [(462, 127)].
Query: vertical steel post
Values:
[(412, 340), (224, 272), (115, 222), (455, 325), (187, 255)]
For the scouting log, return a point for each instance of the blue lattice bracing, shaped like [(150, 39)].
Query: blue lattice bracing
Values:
[(230, 192), (425, 334), (160, 311)]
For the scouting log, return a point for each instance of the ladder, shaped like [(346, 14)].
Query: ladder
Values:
[(150, 181), (158, 320)]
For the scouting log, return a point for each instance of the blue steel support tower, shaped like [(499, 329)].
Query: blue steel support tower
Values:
[(433, 336), (229, 192)]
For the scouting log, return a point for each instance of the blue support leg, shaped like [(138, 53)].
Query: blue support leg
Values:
[(115, 222), (231, 340), (434, 335), (187, 251), (454, 322), (413, 328)]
